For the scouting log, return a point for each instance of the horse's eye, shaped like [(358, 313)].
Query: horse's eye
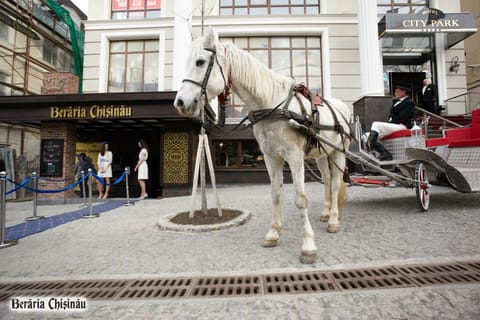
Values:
[(200, 62)]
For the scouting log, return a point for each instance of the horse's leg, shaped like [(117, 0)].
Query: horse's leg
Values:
[(323, 166), (337, 165), (342, 199), (275, 172), (309, 249)]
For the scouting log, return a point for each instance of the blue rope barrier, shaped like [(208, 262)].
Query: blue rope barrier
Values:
[(18, 186), (102, 181), (23, 185), (70, 186)]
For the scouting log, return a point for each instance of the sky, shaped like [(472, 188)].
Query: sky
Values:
[(82, 5)]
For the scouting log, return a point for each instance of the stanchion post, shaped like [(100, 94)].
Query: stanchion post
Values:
[(127, 173), (90, 210), (84, 194), (35, 187), (3, 212)]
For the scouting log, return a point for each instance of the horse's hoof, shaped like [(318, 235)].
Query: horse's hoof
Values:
[(308, 257), (324, 218), (333, 228), (269, 243)]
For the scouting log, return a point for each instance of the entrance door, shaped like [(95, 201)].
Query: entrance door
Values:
[(415, 79)]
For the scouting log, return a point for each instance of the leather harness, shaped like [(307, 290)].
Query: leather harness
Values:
[(310, 120)]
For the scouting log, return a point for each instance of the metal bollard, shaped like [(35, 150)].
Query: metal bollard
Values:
[(127, 172), (84, 205), (35, 186), (90, 212), (3, 211)]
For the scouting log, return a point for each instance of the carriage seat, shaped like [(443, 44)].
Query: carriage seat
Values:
[(398, 134), (460, 137), (467, 136)]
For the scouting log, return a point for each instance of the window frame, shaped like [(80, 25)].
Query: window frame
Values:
[(134, 13), (245, 7), (398, 6), (126, 53), (231, 110), (256, 162)]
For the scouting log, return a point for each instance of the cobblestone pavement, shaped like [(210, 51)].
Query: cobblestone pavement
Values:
[(381, 227)]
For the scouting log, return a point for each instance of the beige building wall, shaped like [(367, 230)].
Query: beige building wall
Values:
[(472, 57), (337, 25)]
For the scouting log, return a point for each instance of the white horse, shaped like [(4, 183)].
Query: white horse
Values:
[(211, 63)]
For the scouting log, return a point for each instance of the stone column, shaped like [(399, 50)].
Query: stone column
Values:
[(371, 68), (181, 40)]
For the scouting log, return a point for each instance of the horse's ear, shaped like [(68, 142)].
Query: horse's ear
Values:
[(210, 39)]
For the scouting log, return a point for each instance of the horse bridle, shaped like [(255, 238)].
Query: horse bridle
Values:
[(203, 84)]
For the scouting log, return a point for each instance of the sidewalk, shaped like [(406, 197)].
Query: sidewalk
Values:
[(381, 227)]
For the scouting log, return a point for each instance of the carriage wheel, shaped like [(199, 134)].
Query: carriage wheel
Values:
[(421, 187)]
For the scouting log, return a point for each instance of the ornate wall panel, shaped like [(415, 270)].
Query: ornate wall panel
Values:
[(175, 158)]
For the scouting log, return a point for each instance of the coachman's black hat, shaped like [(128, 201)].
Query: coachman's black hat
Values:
[(404, 86)]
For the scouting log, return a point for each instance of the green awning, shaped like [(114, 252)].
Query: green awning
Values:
[(76, 36)]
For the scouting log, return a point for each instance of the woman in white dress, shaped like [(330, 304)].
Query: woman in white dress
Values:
[(104, 162), (142, 168)]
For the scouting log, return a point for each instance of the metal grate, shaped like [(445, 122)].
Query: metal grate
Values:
[(418, 275), (372, 278), (157, 288), (441, 274), (298, 283), (227, 286)]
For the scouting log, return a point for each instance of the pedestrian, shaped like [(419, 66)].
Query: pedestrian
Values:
[(142, 168), (104, 163), (400, 117), (428, 97), (83, 164)]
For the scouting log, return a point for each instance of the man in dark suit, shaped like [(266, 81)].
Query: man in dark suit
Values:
[(428, 96), (400, 117)]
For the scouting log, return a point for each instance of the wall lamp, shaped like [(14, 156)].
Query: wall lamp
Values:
[(454, 65)]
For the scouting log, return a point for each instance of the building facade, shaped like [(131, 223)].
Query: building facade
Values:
[(33, 43), (352, 50)]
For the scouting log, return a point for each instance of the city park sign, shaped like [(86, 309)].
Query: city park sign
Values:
[(456, 26)]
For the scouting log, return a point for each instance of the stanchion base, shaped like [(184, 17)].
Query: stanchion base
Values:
[(8, 243), (129, 204), (34, 218), (88, 216)]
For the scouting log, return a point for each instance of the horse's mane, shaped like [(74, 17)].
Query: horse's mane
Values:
[(254, 76)]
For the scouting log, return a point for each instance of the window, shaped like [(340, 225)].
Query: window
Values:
[(135, 9), (237, 154), (49, 52), (400, 6), (264, 7), (133, 66), (4, 31), (296, 57)]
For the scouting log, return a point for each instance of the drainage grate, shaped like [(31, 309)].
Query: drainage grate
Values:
[(372, 278), (418, 275), (227, 286), (425, 275), (298, 283), (157, 288)]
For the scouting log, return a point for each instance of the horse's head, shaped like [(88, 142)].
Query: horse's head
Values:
[(204, 75)]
